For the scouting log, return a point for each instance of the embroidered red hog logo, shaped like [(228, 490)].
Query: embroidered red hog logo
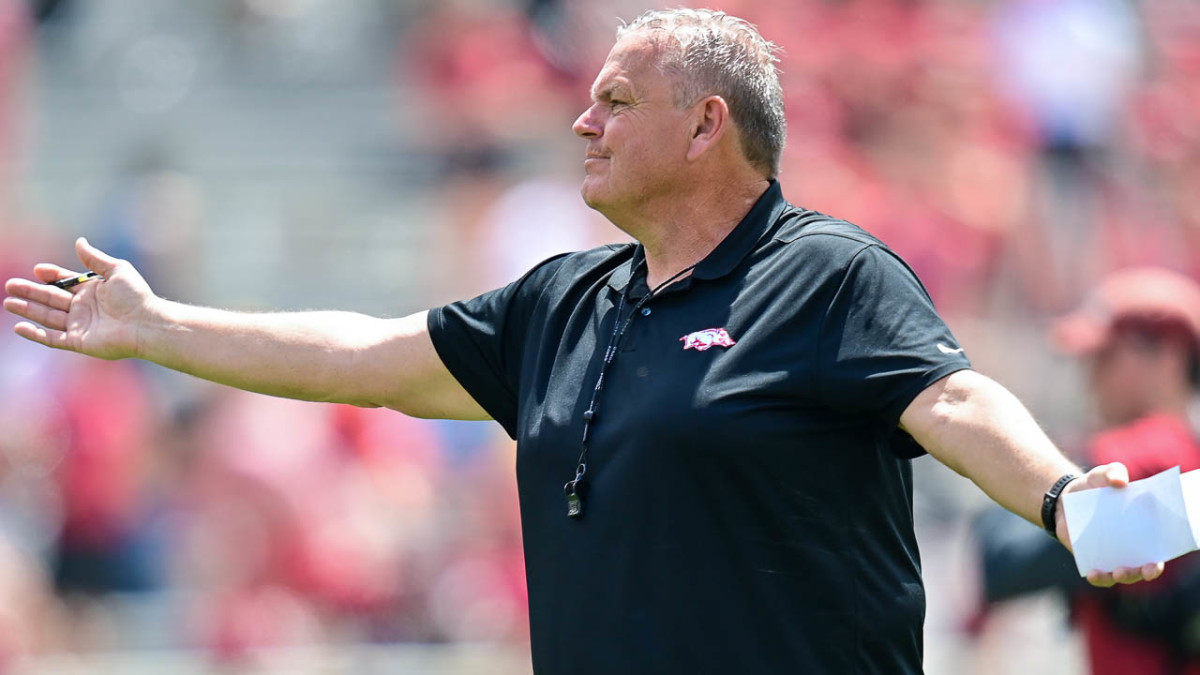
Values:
[(702, 340)]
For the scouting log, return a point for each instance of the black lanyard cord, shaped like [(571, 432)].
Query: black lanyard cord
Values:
[(573, 488)]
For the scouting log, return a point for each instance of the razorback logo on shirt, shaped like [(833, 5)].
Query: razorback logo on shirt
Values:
[(702, 340)]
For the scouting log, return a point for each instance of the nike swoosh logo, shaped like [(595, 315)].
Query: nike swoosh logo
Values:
[(946, 350)]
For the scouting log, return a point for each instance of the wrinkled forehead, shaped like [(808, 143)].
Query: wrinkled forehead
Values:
[(634, 62)]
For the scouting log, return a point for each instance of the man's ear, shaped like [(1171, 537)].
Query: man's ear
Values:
[(710, 123)]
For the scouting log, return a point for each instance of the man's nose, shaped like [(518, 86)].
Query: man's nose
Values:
[(587, 126)]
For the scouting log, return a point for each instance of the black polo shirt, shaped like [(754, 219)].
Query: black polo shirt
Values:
[(750, 504)]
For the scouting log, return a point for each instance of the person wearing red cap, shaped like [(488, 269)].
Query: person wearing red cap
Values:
[(1140, 336)]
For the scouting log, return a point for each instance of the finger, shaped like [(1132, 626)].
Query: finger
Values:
[(49, 273), (39, 293), (1100, 579), (1108, 475), (51, 338), (1127, 575), (46, 316), (1152, 571), (96, 260)]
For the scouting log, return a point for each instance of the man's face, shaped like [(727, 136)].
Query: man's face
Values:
[(637, 139), (1124, 375)]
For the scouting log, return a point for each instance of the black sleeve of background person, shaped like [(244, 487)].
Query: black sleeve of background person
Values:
[(480, 341), (878, 346)]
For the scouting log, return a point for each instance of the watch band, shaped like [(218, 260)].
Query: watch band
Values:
[(1050, 503)]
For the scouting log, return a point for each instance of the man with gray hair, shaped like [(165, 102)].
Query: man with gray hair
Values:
[(718, 53), (714, 425)]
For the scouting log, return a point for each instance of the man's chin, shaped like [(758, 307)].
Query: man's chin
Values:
[(592, 195)]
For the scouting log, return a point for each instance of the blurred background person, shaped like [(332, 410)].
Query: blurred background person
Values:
[(1139, 334)]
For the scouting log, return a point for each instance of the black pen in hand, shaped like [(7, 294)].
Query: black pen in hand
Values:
[(71, 282)]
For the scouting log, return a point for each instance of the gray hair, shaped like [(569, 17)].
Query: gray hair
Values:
[(723, 55)]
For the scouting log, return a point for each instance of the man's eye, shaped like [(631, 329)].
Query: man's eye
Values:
[(615, 103)]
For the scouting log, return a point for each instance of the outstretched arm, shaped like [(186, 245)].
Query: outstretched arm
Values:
[(978, 428), (317, 356)]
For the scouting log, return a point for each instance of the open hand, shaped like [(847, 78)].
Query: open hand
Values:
[(1106, 475), (100, 318)]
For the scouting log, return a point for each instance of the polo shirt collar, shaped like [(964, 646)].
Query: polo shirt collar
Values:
[(619, 279), (738, 244), (732, 250)]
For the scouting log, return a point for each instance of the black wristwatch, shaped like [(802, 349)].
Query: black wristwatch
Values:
[(1050, 504)]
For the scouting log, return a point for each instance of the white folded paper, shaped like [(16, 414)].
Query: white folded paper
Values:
[(1150, 520)]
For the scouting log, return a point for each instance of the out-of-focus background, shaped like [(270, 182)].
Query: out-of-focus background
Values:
[(390, 155)]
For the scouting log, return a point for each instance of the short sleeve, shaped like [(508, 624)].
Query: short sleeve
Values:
[(882, 342), (481, 340)]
